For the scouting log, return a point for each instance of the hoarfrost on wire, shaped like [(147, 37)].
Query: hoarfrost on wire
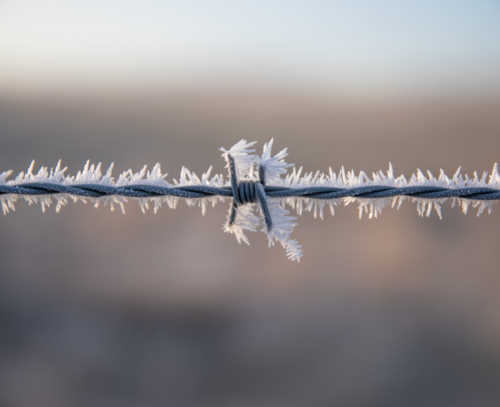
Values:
[(275, 173)]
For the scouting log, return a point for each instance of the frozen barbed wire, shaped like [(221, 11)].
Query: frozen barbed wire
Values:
[(260, 189)]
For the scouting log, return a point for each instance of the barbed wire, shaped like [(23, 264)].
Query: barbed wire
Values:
[(256, 181), (151, 191)]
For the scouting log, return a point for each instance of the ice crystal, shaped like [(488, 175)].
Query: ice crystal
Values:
[(243, 159), (250, 167), (282, 229), (245, 220), (275, 166)]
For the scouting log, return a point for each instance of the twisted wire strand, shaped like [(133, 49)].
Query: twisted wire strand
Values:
[(248, 191)]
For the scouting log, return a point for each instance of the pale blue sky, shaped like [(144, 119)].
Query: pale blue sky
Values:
[(353, 47)]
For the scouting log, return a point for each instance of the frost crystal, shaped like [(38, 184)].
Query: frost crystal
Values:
[(282, 229), (245, 220), (275, 166), (266, 170), (243, 160)]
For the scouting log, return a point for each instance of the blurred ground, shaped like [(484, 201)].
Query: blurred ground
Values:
[(102, 309)]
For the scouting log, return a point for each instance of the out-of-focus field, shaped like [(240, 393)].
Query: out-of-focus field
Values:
[(102, 309)]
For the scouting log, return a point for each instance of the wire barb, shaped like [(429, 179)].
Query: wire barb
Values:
[(254, 182)]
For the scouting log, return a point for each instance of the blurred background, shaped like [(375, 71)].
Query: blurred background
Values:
[(104, 309)]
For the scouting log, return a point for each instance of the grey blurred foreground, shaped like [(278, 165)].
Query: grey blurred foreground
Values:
[(102, 309)]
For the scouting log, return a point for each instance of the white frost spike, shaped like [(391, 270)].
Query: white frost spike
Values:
[(108, 179), (274, 166), (424, 206), (43, 175), (373, 207), (8, 203), (282, 229), (91, 174), (245, 220), (243, 159), (293, 250), (494, 178), (144, 177), (3, 176)]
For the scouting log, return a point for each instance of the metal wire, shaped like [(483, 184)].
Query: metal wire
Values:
[(246, 191), (251, 190)]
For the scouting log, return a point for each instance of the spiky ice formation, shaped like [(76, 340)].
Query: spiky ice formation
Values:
[(271, 171)]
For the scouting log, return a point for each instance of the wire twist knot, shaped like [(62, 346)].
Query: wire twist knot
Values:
[(245, 192)]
